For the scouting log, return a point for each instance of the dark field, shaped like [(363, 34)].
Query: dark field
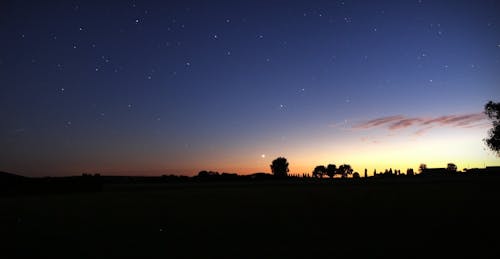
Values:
[(405, 219)]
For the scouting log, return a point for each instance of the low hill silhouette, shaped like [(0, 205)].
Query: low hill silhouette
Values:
[(10, 177)]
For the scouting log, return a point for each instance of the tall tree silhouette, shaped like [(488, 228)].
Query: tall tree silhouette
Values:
[(279, 167), (492, 110), (331, 170), (345, 170), (422, 168), (319, 171)]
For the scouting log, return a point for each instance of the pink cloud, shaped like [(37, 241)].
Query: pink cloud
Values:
[(423, 124), (422, 131), (404, 123), (378, 122)]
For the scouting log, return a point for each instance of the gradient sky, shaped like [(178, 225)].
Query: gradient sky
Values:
[(175, 87)]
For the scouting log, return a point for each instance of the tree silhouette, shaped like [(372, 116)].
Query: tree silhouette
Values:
[(331, 170), (422, 168), (492, 110), (355, 175), (279, 167), (319, 171), (345, 170), (451, 167)]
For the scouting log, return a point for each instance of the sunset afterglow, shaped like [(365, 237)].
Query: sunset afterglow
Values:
[(176, 87)]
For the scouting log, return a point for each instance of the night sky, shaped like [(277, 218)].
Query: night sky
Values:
[(175, 87)]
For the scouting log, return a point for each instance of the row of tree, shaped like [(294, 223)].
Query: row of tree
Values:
[(331, 171), (279, 168)]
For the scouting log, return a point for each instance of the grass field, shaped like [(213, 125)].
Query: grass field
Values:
[(259, 220)]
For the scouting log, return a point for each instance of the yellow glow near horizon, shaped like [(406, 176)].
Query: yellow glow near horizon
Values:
[(464, 147), (305, 149)]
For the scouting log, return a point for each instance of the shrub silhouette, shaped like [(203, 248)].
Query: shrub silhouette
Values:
[(279, 167)]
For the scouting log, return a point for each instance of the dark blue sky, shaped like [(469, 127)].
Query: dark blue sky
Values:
[(153, 87)]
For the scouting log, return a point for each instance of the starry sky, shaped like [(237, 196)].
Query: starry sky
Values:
[(175, 87)]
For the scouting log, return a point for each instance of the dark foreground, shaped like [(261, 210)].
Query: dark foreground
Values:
[(412, 219)]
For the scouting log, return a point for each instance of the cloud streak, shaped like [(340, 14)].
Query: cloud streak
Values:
[(379, 121), (422, 124)]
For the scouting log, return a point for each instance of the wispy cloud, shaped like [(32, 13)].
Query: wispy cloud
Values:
[(404, 123), (422, 124), (378, 122)]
